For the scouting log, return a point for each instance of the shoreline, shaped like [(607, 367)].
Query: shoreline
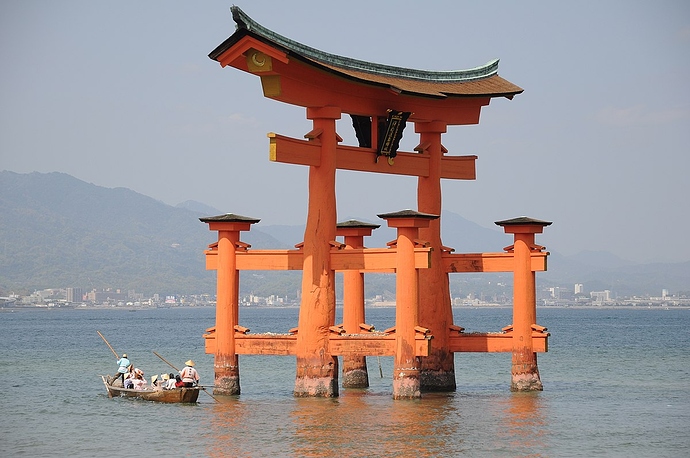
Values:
[(462, 307)]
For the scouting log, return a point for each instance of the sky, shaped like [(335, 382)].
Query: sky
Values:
[(123, 94)]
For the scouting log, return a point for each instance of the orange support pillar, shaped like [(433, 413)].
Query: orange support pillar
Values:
[(226, 363), (524, 371), (355, 373), (407, 366), (436, 311), (317, 369)]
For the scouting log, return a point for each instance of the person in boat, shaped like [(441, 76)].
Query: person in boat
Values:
[(189, 375), (123, 366), (168, 381), (164, 381), (129, 378), (139, 381)]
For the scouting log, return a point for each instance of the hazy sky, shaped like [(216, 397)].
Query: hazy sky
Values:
[(123, 94)]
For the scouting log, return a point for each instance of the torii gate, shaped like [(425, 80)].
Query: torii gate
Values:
[(379, 98)]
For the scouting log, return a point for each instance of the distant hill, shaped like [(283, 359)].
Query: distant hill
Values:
[(58, 231), (599, 271), (199, 207)]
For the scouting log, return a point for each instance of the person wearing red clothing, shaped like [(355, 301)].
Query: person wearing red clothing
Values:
[(189, 375)]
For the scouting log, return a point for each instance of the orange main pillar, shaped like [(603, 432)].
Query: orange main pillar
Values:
[(355, 373), (317, 369), (524, 371), (436, 311), (226, 364), (406, 366)]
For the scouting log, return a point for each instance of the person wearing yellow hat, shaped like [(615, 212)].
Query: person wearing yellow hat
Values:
[(189, 375)]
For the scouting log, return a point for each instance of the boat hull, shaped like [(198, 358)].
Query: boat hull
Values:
[(176, 396)]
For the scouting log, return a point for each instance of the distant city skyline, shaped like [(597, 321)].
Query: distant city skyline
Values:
[(546, 296), (124, 95)]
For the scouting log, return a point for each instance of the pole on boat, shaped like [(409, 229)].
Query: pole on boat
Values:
[(166, 361), (169, 364), (109, 346)]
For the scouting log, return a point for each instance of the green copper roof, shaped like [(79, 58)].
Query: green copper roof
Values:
[(244, 22)]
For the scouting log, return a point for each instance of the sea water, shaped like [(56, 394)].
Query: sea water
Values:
[(616, 383)]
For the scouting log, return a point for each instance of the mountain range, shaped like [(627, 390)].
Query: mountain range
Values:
[(57, 231)]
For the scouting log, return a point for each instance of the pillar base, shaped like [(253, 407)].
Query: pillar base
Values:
[(355, 374), (437, 381), (526, 382), (406, 383), (406, 388), (317, 379), (438, 372), (525, 372), (321, 387), (356, 378), (227, 386)]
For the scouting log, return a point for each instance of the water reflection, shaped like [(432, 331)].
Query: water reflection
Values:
[(361, 423), (524, 423), (226, 416), (366, 423)]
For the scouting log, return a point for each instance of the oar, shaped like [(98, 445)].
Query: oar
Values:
[(169, 364), (106, 342)]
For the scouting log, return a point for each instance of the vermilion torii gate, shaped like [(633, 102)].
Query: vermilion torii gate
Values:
[(424, 337)]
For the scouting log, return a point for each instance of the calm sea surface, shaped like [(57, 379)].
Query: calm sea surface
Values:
[(616, 383)]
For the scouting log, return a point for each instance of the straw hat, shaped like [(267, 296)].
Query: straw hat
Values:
[(124, 355), (153, 379), (165, 377), (189, 363)]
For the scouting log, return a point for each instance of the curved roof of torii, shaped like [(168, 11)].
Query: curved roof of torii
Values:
[(476, 82)]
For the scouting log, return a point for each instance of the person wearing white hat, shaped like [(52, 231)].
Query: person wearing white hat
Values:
[(140, 383), (168, 382), (189, 375), (123, 365)]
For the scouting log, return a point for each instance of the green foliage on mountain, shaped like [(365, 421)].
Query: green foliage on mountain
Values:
[(57, 231)]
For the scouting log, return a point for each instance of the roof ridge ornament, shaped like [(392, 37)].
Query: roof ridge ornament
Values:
[(243, 21)]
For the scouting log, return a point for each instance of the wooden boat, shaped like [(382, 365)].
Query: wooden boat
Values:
[(178, 395)]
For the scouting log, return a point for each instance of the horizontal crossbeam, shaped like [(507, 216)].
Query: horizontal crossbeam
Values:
[(308, 152), (489, 342), (489, 262), (381, 260), (339, 345), (375, 344)]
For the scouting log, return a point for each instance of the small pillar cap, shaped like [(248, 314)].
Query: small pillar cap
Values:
[(523, 225), (407, 214), (354, 228), (357, 225), (523, 221), (229, 218)]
